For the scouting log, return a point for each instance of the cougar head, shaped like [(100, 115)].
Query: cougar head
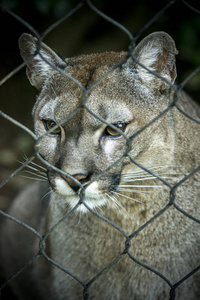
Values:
[(87, 121)]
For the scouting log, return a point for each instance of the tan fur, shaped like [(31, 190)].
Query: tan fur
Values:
[(83, 243)]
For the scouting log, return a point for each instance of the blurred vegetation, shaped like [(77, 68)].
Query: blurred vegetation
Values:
[(83, 32), (92, 33)]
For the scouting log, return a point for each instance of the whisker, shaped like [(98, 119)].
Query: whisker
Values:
[(148, 177), (96, 209), (134, 191), (38, 172), (47, 193), (141, 172), (33, 164), (34, 169), (118, 194), (157, 168), (34, 178), (38, 175), (133, 177), (115, 201), (39, 166), (128, 179), (139, 186)]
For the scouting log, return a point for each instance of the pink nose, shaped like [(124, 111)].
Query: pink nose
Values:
[(80, 177)]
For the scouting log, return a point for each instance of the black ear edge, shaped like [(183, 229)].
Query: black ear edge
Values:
[(161, 38), (157, 53), (26, 42), (29, 46), (38, 70)]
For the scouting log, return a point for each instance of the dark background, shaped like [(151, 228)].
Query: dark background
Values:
[(83, 32)]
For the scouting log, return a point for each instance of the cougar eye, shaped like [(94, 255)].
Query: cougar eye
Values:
[(113, 132), (49, 124)]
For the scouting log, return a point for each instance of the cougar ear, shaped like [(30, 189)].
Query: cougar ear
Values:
[(157, 53), (38, 70)]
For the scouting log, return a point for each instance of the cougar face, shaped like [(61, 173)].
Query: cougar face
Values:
[(84, 146), (94, 141)]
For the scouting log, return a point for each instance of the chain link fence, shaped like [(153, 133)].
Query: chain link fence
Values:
[(129, 238)]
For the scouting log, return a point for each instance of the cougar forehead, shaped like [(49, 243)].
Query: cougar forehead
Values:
[(114, 97), (100, 62)]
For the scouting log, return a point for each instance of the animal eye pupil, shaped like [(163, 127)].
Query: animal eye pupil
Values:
[(113, 132), (49, 124)]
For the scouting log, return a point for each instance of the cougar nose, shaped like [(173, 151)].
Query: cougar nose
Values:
[(82, 178)]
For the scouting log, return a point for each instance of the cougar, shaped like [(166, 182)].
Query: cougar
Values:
[(117, 216)]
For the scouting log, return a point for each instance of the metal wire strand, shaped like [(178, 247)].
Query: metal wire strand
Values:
[(173, 189)]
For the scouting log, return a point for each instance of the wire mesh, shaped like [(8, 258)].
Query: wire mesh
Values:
[(173, 188)]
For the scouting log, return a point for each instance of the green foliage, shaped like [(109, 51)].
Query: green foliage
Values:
[(189, 38), (55, 7)]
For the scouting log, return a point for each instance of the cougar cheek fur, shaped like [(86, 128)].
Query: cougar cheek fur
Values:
[(98, 140)]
